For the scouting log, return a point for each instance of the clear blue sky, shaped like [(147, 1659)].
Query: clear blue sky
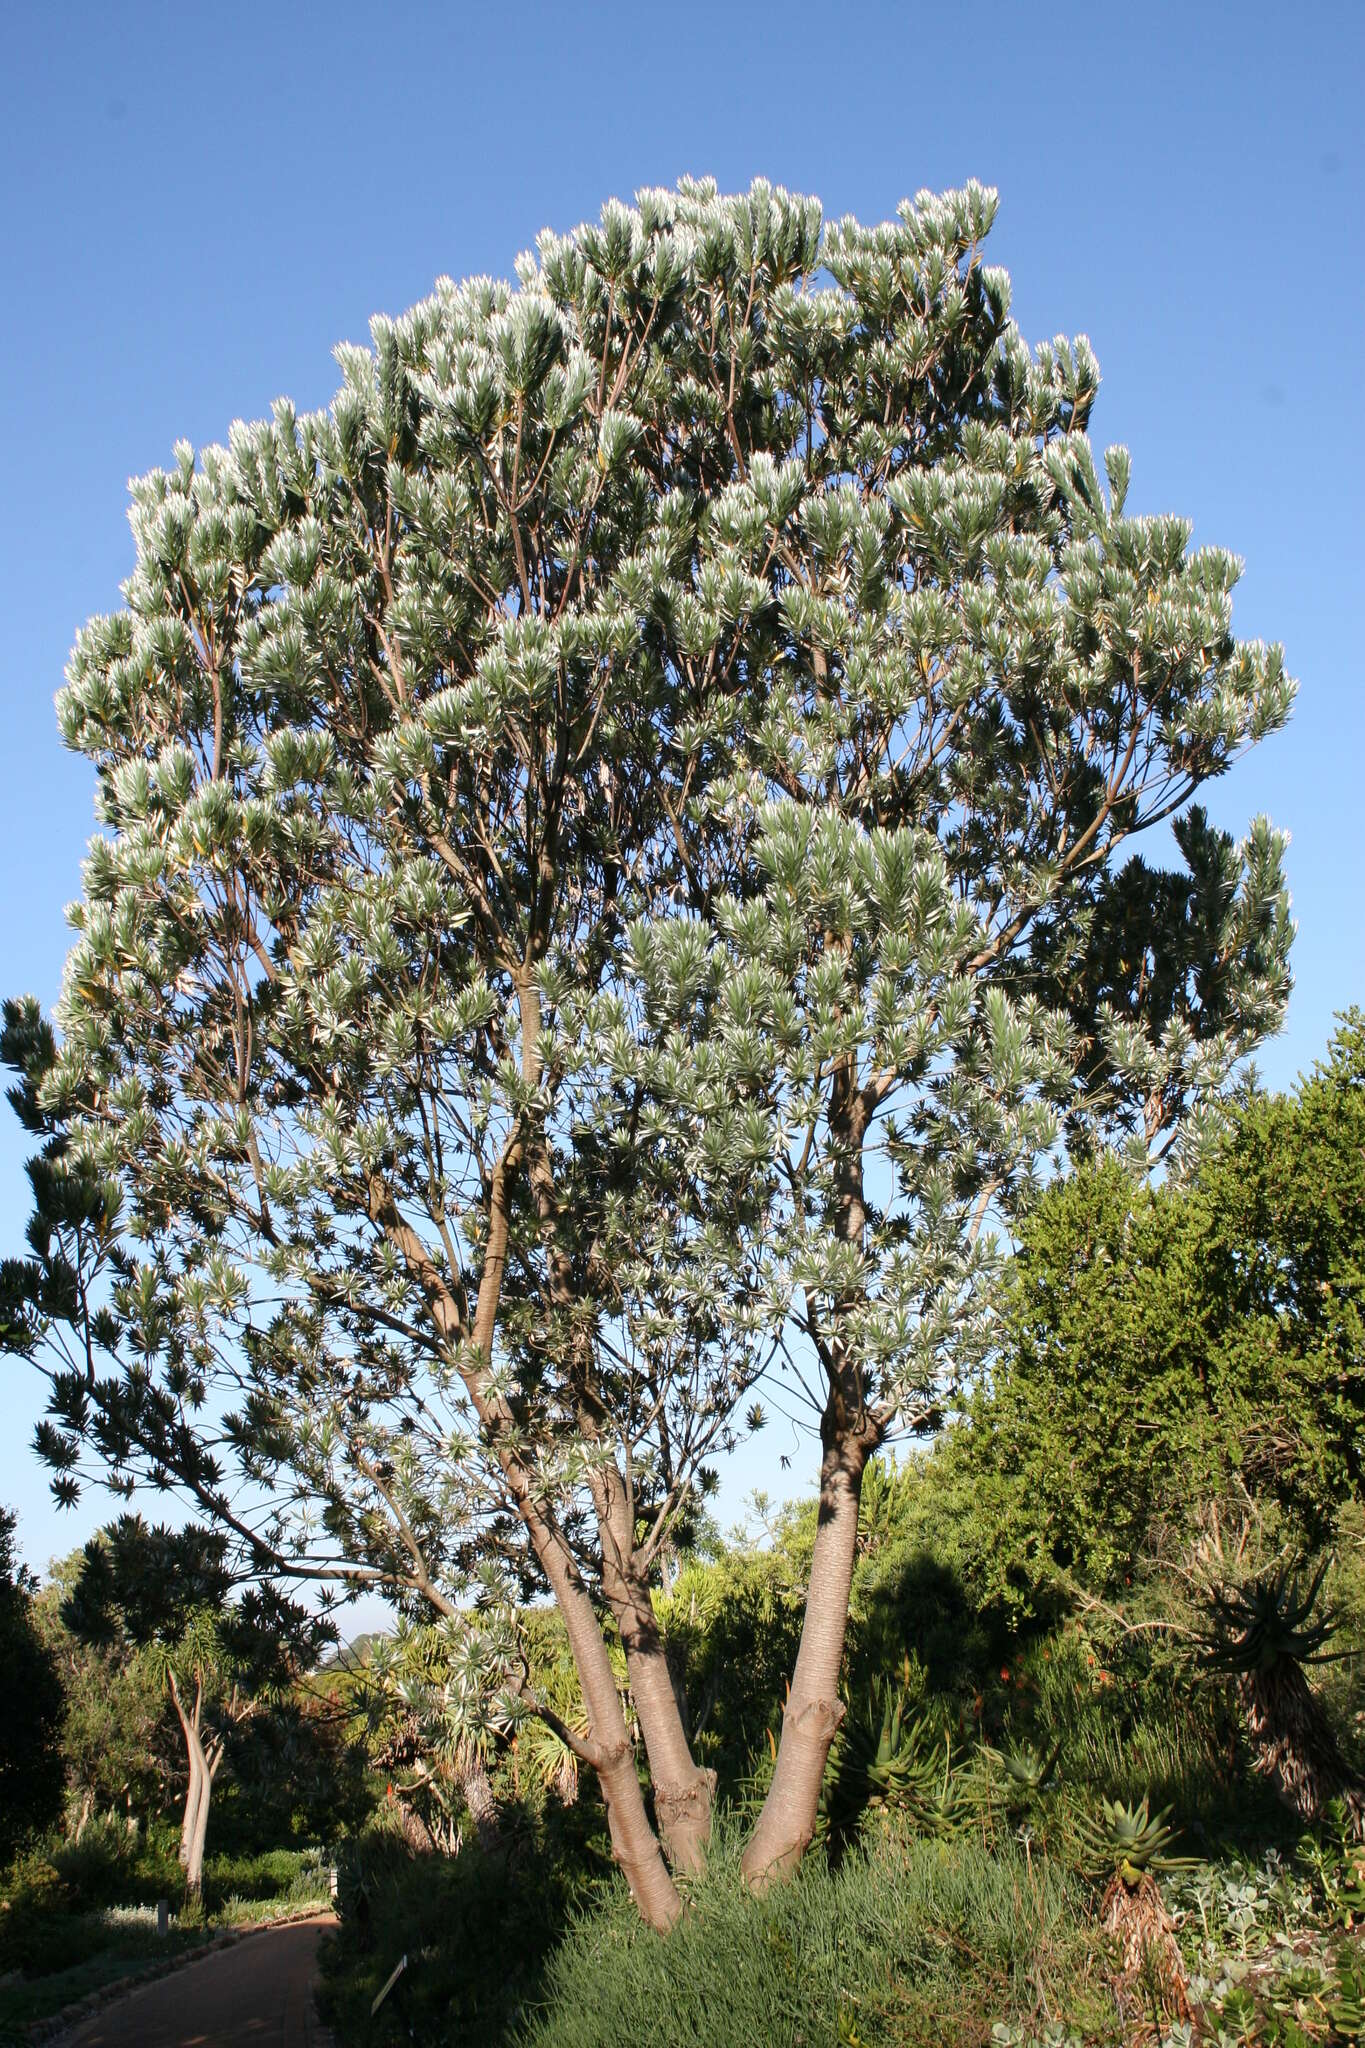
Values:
[(200, 201)]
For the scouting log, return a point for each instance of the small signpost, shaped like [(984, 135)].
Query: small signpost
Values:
[(163, 1916), (393, 1977)]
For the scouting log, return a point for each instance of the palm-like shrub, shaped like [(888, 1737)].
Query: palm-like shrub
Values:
[(1265, 1635), (1129, 1844)]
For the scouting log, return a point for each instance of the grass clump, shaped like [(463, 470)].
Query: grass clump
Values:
[(906, 1940)]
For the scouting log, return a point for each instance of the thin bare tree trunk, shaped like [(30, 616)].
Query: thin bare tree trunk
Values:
[(682, 1793), (634, 1842), (208, 1771)]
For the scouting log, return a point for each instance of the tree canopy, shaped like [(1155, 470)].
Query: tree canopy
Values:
[(619, 859), (1196, 1342)]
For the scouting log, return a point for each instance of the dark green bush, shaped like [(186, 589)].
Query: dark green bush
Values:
[(34, 1916), (108, 1866), (476, 1928)]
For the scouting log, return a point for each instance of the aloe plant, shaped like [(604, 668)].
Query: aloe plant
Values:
[(1272, 1621), (887, 1760), (1027, 1770), (1131, 1841), (1264, 1636)]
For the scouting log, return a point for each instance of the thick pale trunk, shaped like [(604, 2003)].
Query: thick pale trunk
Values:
[(814, 1709), (683, 1792), (194, 1868), (192, 1796), (203, 1768), (849, 1433), (208, 1771), (634, 1843), (194, 1763)]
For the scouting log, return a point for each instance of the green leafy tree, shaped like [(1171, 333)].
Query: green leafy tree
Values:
[(167, 1593), (410, 1693), (1194, 1342), (422, 1696), (1277, 1221), (31, 1705), (114, 1750), (620, 830)]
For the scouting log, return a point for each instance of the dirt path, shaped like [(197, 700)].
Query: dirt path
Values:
[(256, 1994)]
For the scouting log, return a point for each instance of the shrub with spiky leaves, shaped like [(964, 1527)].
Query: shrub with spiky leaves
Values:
[(1129, 1843), (1025, 1771), (1263, 1635), (432, 1711), (621, 832), (885, 1761)]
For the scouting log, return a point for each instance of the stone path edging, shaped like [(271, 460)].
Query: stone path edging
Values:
[(58, 2024)]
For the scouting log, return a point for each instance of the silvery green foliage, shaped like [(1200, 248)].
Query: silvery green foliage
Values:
[(661, 749)]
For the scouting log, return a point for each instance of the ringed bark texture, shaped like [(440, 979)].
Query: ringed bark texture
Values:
[(1295, 1746)]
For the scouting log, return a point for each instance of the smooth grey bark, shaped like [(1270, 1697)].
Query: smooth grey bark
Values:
[(814, 1709)]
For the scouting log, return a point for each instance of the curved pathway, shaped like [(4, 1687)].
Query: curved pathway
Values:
[(256, 1994)]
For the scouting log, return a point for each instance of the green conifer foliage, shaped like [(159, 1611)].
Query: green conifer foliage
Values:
[(668, 736)]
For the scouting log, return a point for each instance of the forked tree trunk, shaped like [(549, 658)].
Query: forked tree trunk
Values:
[(203, 1765), (682, 1792), (192, 1795), (814, 1709), (194, 1763), (634, 1843), (208, 1771)]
